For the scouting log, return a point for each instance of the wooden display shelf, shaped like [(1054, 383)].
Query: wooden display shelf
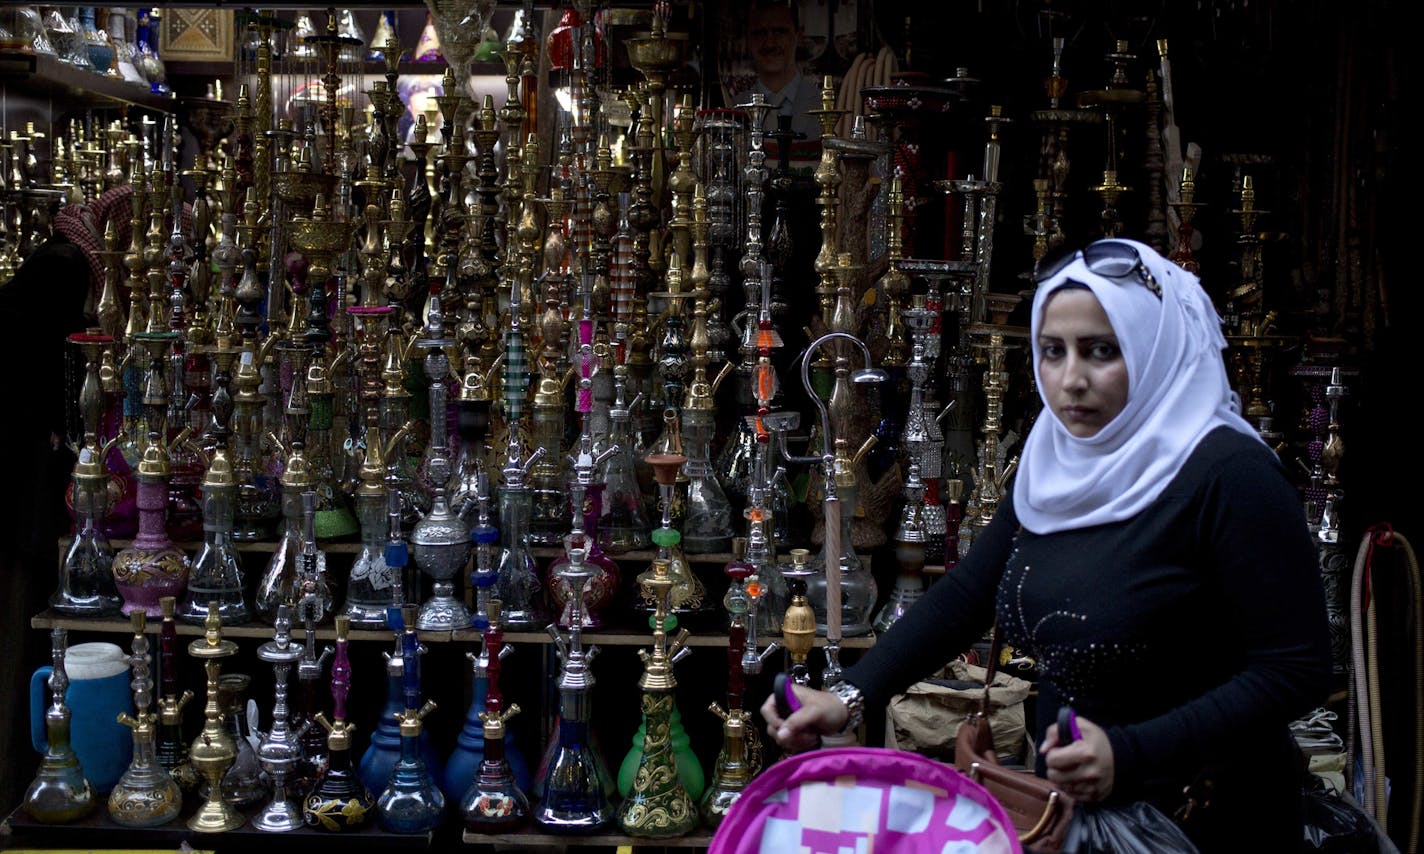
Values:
[(98, 831), (533, 838), (39, 75), (49, 619), (643, 556)]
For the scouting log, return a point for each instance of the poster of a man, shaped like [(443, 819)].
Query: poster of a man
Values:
[(772, 30)]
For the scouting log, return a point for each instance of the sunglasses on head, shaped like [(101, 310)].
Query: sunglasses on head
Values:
[(1109, 259)]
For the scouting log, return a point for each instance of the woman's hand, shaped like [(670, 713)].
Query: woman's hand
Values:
[(1083, 769), (821, 713)]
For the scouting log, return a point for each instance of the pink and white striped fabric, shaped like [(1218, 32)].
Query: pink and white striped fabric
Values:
[(863, 800)]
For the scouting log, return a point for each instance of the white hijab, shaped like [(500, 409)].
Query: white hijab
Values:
[(1177, 392)]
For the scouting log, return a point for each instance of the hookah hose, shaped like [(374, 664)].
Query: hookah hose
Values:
[(1366, 726)]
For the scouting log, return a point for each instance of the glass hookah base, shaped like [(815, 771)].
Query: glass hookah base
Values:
[(145, 806), (572, 821), (443, 614), (365, 615), (58, 801), (194, 608), (278, 817), (86, 606)]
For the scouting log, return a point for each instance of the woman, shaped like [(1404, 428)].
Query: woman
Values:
[(1153, 559)]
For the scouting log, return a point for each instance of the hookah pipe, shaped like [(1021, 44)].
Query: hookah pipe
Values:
[(172, 749), (146, 796), (831, 503), (312, 664), (485, 535), (574, 799), (281, 748)]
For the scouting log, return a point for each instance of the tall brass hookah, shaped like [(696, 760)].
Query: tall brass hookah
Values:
[(993, 472), (146, 795), (658, 804), (213, 751)]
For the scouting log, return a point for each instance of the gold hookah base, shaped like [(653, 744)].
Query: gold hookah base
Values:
[(216, 815), (658, 805)]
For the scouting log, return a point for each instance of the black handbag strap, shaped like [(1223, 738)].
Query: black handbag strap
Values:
[(995, 646)]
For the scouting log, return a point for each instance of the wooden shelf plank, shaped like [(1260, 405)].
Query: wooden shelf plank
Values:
[(49, 619), (38, 75), (532, 838)]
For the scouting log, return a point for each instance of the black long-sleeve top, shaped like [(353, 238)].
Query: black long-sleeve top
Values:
[(1193, 633)]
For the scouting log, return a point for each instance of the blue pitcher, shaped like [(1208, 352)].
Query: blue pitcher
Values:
[(98, 692)]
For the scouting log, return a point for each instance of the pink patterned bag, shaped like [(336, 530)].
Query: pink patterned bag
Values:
[(864, 799)]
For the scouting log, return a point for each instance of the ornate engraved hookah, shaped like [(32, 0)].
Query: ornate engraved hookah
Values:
[(922, 442), (280, 749), (548, 521), (59, 793), (586, 495), (213, 751), (767, 602), (572, 781), (152, 566), (659, 804), (440, 543), (464, 762), (910, 540), (146, 795), (1056, 123), (993, 472), (1111, 101), (339, 802), (1251, 330)]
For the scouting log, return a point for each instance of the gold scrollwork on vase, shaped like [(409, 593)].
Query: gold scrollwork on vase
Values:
[(327, 812)]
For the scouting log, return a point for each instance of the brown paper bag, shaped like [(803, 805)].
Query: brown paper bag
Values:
[(925, 718)]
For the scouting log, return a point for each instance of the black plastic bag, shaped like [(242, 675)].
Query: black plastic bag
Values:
[(1136, 828), (1336, 825)]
